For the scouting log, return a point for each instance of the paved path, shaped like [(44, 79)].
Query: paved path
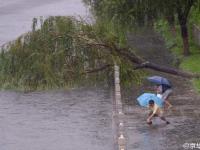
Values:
[(184, 117)]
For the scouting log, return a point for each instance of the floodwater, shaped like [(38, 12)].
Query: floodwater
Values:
[(16, 15), (78, 119), (183, 132), (183, 128), (81, 119)]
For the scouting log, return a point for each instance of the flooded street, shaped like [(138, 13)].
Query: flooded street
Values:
[(82, 118), (16, 15), (79, 119), (184, 127)]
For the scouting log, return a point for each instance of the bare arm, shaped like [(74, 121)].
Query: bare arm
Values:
[(151, 116)]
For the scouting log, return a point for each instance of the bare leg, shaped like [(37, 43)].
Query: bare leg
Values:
[(164, 119), (168, 104), (166, 96)]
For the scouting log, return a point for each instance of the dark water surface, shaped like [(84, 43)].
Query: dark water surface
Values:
[(16, 15), (79, 119)]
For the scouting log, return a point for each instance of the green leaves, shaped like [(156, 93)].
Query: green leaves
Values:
[(61, 53), (51, 57)]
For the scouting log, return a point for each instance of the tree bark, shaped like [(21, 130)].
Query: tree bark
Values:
[(171, 22), (184, 34), (182, 17), (141, 63), (94, 70)]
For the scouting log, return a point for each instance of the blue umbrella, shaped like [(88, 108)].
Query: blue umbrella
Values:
[(146, 97), (159, 80)]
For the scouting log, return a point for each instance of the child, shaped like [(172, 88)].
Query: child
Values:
[(163, 92), (155, 111)]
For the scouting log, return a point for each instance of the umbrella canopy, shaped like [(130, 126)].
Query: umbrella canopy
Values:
[(159, 80), (146, 97)]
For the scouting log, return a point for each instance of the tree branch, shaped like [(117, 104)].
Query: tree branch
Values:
[(165, 69), (127, 54), (97, 69), (141, 63)]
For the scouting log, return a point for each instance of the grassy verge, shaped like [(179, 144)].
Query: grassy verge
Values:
[(192, 64), (174, 43)]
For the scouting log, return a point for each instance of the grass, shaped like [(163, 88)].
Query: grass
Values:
[(190, 63)]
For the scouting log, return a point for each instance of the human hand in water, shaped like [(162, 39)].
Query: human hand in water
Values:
[(149, 121)]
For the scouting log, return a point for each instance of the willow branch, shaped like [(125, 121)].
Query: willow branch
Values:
[(127, 54), (97, 69)]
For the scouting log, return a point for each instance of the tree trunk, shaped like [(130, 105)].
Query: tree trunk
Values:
[(141, 63), (150, 21), (184, 34), (171, 22), (137, 61), (182, 17)]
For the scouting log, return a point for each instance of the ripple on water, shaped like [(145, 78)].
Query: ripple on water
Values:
[(72, 119)]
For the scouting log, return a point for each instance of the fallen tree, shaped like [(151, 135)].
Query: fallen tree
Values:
[(64, 51), (138, 62)]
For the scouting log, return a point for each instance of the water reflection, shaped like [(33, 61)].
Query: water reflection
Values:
[(71, 119)]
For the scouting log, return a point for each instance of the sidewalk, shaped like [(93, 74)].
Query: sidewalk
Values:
[(184, 130)]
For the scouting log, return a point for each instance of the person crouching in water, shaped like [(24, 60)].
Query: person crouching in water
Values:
[(155, 111)]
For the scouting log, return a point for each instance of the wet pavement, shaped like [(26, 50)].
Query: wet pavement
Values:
[(184, 117), (79, 119), (184, 127)]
